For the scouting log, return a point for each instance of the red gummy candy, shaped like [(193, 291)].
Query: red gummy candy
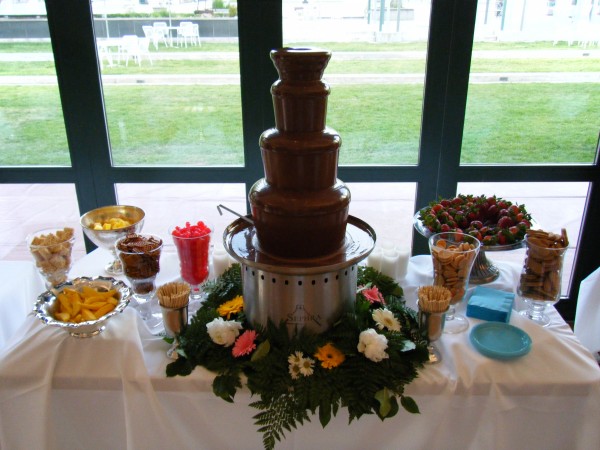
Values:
[(193, 245)]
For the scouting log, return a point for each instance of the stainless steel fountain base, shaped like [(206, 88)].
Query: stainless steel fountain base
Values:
[(305, 293)]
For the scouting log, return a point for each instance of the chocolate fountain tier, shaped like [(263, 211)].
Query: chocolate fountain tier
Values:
[(300, 160), (307, 293), (299, 224), (300, 96)]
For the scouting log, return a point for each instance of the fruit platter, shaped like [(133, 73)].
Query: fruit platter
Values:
[(499, 225)]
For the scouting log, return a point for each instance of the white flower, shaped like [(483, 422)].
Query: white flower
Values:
[(294, 371), (385, 319), (306, 366), (295, 358), (300, 365), (223, 332), (373, 345)]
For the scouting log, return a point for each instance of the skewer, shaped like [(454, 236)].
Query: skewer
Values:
[(173, 295), (434, 299), (219, 207)]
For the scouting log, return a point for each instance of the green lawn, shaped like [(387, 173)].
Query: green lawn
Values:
[(383, 66), (379, 124)]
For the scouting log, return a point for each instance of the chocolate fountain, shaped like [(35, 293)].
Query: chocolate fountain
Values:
[(300, 249)]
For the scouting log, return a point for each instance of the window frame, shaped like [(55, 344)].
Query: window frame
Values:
[(452, 24)]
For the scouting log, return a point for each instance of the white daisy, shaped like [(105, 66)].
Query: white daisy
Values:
[(385, 319)]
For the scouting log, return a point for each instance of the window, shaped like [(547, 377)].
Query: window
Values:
[(437, 130), (171, 91), (31, 124)]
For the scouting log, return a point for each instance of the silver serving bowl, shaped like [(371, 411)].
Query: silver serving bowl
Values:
[(47, 304), (106, 238)]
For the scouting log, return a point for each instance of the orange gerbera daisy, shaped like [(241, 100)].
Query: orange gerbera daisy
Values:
[(329, 356), (233, 306)]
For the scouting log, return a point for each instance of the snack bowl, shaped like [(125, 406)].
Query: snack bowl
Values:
[(106, 238), (47, 305)]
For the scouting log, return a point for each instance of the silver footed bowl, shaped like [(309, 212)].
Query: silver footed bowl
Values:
[(106, 238), (47, 305)]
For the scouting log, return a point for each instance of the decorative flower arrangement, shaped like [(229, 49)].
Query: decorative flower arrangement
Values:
[(363, 363)]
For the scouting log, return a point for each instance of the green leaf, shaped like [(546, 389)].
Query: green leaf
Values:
[(409, 404), (383, 397), (324, 412), (181, 366), (261, 351), (225, 386)]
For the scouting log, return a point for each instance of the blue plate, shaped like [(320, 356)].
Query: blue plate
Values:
[(500, 340)]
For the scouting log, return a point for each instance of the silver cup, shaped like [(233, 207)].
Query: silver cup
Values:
[(174, 320), (431, 326)]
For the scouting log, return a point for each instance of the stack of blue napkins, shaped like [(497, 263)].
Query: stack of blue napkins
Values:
[(490, 304)]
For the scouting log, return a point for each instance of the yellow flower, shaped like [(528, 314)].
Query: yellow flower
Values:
[(233, 306), (329, 356)]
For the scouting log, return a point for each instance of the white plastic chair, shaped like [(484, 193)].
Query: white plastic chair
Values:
[(150, 34), (162, 31), (196, 33), (188, 31), (144, 46), (135, 48)]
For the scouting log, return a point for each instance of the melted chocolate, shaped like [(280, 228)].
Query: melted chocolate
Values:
[(300, 208)]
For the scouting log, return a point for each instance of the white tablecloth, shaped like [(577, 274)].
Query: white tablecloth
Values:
[(110, 391)]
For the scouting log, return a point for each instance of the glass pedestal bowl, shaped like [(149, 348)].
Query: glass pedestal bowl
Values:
[(541, 279), (106, 238)]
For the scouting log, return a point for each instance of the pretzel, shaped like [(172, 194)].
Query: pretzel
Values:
[(540, 279), (451, 263)]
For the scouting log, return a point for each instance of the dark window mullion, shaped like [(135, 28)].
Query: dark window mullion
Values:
[(440, 139), (586, 258), (259, 31), (461, 45), (70, 23)]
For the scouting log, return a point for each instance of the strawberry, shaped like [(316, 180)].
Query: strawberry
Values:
[(491, 219), (505, 222), (489, 240)]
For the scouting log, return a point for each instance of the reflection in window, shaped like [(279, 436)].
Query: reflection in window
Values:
[(27, 208), (387, 208), (167, 205)]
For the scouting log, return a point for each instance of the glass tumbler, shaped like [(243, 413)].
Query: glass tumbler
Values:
[(453, 255), (52, 249), (540, 281)]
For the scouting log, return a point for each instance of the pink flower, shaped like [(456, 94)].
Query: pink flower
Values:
[(373, 295), (244, 344)]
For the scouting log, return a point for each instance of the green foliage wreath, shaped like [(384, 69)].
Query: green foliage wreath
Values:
[(363, 363)]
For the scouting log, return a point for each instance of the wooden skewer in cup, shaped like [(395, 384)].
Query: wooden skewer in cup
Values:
[(434, 298), (173, 295), (174, 298)]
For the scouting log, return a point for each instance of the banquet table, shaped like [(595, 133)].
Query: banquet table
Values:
[(110, 391)]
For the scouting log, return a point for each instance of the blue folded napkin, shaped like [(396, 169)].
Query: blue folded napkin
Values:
[(490, 304)]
